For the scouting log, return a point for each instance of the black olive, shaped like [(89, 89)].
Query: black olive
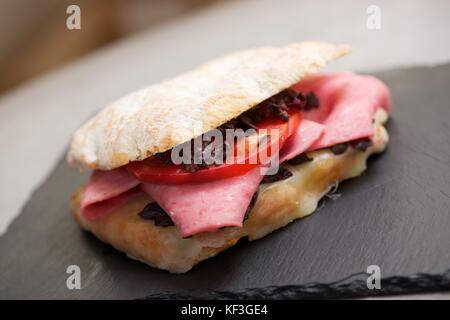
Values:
[(312, 101), (153, 211), (251, 205), (339, 148), (281, 174), (276, 107), (301, 158), (361, 144)]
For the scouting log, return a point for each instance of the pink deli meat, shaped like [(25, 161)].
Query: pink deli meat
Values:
[(106, 190), (206, 206), (307, 133), (348, 103), (102, 208)]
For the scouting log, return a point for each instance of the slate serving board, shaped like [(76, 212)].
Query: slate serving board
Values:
[(396, 216)]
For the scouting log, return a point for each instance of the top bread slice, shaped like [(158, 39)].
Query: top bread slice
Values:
[(159, 117)]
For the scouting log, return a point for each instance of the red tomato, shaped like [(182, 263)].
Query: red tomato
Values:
[(153, 170)]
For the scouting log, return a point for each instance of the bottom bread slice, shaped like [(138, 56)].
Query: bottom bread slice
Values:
[(278, 204)]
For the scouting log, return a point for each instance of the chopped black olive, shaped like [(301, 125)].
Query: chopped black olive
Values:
[(153, 211), (281, 174), (339, 148), (361, 144), (275, 107), (312, 101), (251, 205), (301, 158), (246, 121), (164, 157)]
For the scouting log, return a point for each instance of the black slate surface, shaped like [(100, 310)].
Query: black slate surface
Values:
[(396, 216)]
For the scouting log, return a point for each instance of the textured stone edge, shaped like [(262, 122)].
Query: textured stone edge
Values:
[(353, 286)]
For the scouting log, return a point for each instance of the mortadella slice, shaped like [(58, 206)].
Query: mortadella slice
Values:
[(104, 186), (308, 132), (208, 206), (348, 103), (99, 209)]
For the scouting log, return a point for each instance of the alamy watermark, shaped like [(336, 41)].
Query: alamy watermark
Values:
[(373, 21), (230, 146), (73, 21), (374, 280), (73, 281)]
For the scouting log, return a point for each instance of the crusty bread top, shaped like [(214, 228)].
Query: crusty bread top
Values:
[(159, 117)]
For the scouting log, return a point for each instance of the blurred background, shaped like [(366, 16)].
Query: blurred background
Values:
[(32, 40)]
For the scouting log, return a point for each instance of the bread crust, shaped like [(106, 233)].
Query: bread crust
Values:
[(159, 117), (278, 204)]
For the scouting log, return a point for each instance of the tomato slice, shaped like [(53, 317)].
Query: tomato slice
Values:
[(153, 170), (286, 129)]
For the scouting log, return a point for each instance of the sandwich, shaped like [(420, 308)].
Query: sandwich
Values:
[(239, 147)]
